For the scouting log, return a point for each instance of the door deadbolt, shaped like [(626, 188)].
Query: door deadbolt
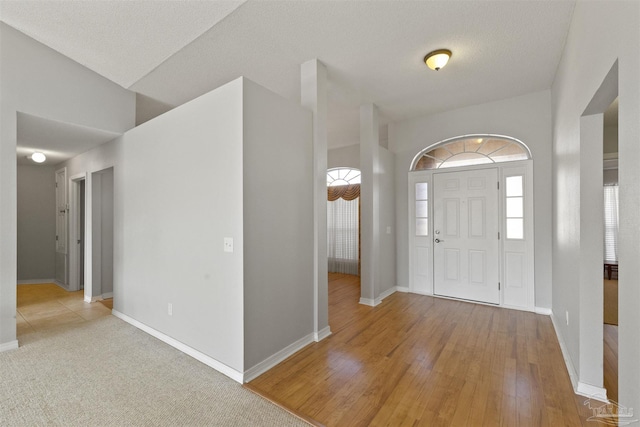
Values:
[(438, 240)]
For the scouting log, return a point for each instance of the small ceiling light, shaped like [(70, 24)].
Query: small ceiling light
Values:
[(437, 59), (38, 157)]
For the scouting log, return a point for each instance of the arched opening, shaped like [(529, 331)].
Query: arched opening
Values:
[(470, 150), (343, 221), (471, 227)]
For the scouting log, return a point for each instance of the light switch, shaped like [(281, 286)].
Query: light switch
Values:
[(388, 229), (228, 244)]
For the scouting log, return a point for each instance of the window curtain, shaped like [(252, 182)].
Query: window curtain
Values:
[(342, 230), (611, 223)]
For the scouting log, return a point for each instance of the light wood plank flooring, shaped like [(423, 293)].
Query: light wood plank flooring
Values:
[(45, 306), (611, 361), (417, 360)]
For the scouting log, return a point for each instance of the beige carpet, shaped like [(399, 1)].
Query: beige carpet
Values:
[(611, 302), (108, 373)]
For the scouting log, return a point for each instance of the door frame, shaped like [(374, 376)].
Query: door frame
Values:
[(517, 288), (74, 232)]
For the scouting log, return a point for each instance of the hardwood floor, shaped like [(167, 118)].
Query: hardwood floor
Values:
[(611, 361), (418, 360), (45, 306)]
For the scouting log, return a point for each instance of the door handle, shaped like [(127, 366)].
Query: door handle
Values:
[(438, 240)]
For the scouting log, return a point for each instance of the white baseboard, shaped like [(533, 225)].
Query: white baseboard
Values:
[(385, 294), (368, 301), (573, 376), (37, 282), (543, 310), (588, 390), (6, 346), (429, 294), (276, 358), (404, 289), (209, 361), (374, 302), (107, 295), (93, 299), (322, 334)]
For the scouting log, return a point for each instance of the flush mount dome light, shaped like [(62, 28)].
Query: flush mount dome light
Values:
[(38, 157), (437, 59)]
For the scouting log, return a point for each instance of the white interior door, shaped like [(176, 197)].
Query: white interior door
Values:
[(465, 235)]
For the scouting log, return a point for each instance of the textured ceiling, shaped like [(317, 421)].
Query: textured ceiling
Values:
[(121, 40), (57, 140), (373, 50)]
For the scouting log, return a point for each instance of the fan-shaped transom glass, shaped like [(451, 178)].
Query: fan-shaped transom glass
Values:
[(470, 151), (342, 176)]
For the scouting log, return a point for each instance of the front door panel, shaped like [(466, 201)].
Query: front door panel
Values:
[(466, 244)]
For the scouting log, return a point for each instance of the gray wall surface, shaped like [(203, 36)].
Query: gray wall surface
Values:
[(607, 31), (37, 80), (387, 261), (278, 223), (344, 157), (36, 222), (178, 185)]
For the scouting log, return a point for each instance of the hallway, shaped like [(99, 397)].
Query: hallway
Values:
[(46, 306)]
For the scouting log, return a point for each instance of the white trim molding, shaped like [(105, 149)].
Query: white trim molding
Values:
[(38, 282), (209, 361), (107, 295), (271, 361), (591, 391), (375, 302), (11, 345), (322, 334), (583, 389), (543, 310), (403, 289), (385, 294), (573, 376), (368, 301)]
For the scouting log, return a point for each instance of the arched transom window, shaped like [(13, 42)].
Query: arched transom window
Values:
[(342, 176), (471, 150)]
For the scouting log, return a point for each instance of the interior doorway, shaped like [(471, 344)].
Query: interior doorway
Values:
[(77, 233), (343, 225), (102, 236), (610, 239)]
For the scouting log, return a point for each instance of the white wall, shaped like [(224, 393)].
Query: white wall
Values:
[(178, 194), (611, 139), (36, 222), (387, 255), (102, 234), (186, 180), (527, 118), (344, 157), (37, 80), (278, 223), (601, 33)]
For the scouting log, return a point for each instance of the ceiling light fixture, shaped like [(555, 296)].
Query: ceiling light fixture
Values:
[(38, 157), (437, 59)]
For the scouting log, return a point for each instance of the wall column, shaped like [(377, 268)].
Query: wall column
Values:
[(313, 95), (369, 205)]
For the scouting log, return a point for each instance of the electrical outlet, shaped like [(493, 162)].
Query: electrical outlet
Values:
[(388, 229), (228, 244), (567, 313), (170, 309)]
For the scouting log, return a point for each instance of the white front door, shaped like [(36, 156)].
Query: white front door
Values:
[(465, 235)]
